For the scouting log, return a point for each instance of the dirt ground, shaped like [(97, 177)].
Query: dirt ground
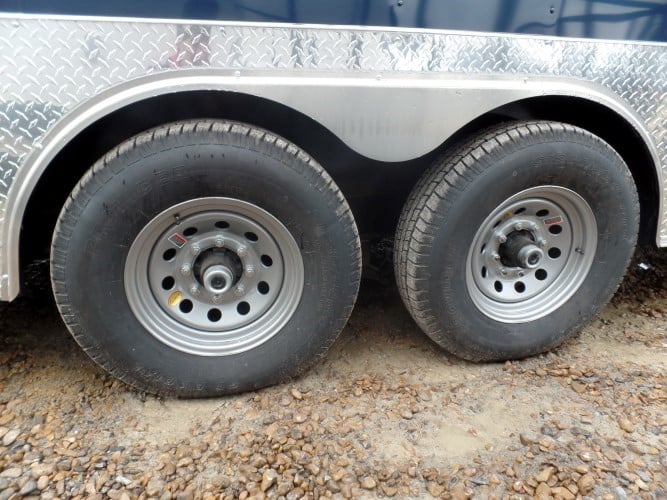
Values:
[(385, 414)]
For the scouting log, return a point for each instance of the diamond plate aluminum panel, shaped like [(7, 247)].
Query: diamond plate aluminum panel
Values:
[(48, 67)]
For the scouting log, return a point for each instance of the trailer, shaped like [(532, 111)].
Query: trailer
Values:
[(204, 175)]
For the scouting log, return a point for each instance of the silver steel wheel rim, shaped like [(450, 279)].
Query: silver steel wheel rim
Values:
[(214, 276), (531, 254)]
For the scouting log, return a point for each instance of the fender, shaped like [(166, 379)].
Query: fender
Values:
[(383, 117)]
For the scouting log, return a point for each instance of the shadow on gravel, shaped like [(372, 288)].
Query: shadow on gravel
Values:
[(32, 323)]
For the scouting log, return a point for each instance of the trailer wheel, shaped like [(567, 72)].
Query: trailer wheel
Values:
[(510, 243), (205, 258)]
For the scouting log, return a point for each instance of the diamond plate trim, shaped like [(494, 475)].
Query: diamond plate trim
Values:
[(50, 66)]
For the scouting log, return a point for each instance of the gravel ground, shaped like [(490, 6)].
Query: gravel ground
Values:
[(385, 414)]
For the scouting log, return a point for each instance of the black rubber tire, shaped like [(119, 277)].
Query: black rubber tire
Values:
[(462, 188), (157, 169)]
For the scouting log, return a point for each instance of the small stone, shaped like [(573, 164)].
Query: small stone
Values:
[(390, 491), (13, 472), (300, 418), (578, 387), (586, 456), (28, 487), (586, 483), (641, 485), (154, 487), (582, 469), (563, 493), (9, 438), (406, 413), (7, 494), (368, 483), (544, 476), (39, 470), (633, 447), (527, 439), (620, 493), (123, 480), (543, 491), (296, 394), (435, 490), (626, 425), (42, 482), (269, 478)]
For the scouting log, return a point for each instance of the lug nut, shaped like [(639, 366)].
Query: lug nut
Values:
[(217, 299), (503, 271), (518, 226), (194, 290), (195, 249), (542, 243), (249, 271), (185, 270), (241, 251), (496, 257), (219, 242), (239, 291), (519, 274), (501, 238)]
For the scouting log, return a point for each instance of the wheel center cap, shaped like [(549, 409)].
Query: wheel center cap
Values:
[(218, 279), (521, 251)]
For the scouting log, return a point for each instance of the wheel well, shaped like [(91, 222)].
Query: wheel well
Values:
[(359, 177), (375, 190)]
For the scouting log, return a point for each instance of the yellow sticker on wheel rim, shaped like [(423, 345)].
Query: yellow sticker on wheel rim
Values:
[(175, 299)]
